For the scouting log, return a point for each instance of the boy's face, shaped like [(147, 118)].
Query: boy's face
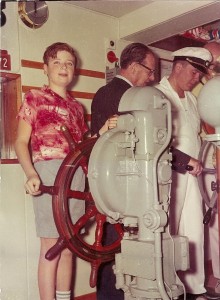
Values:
[(60, 70)]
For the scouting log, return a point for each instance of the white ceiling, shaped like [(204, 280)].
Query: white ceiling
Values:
[(115, 8), (118, 8)]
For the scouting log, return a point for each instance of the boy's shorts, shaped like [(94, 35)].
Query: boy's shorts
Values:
[(45, 224)]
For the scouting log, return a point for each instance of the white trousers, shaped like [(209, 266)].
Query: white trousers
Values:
[(186, 218), (214, 245)]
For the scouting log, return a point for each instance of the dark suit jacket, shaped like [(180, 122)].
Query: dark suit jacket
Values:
[(106, 102)]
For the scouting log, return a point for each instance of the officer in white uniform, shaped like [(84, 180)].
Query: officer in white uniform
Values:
[(186, 211)]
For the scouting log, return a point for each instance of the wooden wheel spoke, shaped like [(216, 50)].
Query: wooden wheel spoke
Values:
[(84, 164), (100, 220), (56, 249), (119, 230), (94, 272), (79, 195), (90, 212)]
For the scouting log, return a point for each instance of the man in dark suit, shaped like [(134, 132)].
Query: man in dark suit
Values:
[(137, 68), (137, 63)]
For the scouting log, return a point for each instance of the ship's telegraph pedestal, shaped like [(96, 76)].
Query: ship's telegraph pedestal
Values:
[(129, 177)]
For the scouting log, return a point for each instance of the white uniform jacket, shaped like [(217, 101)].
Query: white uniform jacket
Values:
[(186, 211), (185, 119)]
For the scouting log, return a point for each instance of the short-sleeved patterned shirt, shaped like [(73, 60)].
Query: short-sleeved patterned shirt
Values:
[(45, 111)]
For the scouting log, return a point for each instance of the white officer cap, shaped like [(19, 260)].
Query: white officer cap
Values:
[(200, 58)]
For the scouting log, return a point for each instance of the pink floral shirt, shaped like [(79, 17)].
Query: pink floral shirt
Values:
[(46, 111)]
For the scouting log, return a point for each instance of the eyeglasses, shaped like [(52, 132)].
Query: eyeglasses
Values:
[(151, 71)]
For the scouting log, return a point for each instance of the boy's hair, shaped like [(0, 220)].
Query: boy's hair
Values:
[(135, 52), (51, 51)]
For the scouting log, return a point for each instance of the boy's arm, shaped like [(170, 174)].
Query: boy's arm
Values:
[(23, 154)]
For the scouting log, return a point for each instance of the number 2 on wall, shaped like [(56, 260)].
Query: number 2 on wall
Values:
[(5, 60)]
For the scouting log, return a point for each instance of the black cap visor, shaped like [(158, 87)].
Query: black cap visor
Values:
[(198, 63)]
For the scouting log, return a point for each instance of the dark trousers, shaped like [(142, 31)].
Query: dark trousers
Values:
[(106, 278)]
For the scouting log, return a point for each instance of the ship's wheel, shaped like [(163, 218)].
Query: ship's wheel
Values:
[(208, 187), (71, 236)]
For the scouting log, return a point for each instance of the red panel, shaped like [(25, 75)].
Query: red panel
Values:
[(5, 60)]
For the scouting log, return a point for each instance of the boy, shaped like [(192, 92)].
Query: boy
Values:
[(42, 114)]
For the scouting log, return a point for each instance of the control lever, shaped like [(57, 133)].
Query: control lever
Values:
[(212, 203), (207, 216)]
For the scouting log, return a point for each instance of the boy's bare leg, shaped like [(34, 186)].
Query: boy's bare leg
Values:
[(47, 270), (64, 271)]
